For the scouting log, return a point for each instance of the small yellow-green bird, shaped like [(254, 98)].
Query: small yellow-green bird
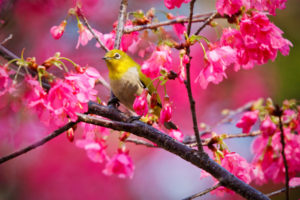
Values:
[(127, 80)]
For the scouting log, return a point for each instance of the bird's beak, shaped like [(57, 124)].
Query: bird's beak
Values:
[(106, 58)]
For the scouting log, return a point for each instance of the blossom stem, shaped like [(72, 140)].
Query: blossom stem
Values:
[(188, 83), (284, 159), (203, 192)]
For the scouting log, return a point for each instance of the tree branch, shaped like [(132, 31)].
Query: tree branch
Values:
[(140, 142), (86, 23), (121, 23), (207, 21), (281, 190), (39, 143), (195, 18), (199, 159), (188, 83), (203, 192)]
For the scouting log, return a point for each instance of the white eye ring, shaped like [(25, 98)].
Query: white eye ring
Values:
[(117, 56)]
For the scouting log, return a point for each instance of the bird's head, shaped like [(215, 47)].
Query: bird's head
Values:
[(114, 58)]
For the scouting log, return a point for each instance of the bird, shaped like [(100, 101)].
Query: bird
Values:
[(128, 81)]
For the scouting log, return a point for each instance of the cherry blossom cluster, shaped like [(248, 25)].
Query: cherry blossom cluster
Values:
[(267, 164)]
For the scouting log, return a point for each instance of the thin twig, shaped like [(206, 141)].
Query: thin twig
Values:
[(207, 21), (284, 158), (121, 23), (203, 192), (140, 142), (188, 83), (39, 143), (9, 37), (195, 18), (86, 23), (281, 190)]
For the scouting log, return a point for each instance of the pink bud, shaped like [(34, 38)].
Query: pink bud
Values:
[(140, 104), (70, 134), (58, 31), (267, 127), (166, 112), (247, 121)]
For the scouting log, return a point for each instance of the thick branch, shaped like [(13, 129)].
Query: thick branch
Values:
[(199, 159), (39, 143), (121, 23)]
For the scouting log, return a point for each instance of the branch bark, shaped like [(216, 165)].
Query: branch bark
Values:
[(121, 24)]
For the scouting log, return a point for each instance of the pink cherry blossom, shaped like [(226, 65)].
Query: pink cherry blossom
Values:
[(120, 164), (217, 61), (294, 181), (170, 4), (160, 59), (140, 104), (178, 28), (266, 5), (95, 148), (63, 102), (267, 127), (267, 154), (4, 79), (58, 31), (247, 121), (238, 166), (228, 7), (84, 83), (84, 35), (176, 134), (166, 111)]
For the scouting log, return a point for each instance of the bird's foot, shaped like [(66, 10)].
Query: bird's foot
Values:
[(133, 118), (114, 101)]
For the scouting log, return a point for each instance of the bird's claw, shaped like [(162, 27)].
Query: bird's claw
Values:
[(114, 101)]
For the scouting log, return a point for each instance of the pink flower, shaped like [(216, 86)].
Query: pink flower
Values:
[(294, 181), (160, 59), (170, 4), (247, 121), (84, 35), (179, 28), (267, 127), (58, 31), (184, 59), (267, 154), (140, 104), (120, 164), (166, 111), (4, 77), (176, 134), (95, 148), (267, 5), (84, 83), (238, 166), (228, 7), (63, 102), (217, 61)]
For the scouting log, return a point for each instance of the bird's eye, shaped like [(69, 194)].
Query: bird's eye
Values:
[(117, 56)]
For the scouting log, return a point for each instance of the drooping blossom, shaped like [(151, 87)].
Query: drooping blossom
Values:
[(235, 164), (58, 31), (160, 59), (120, 164), (4, 79), (94, 147), (228, 7), (140, 104), (267, 127), (247, 121), (170, 4), (84, 35), (176, 134), (84, 83), (166, 111), (267, 154), (63, 102), (179, 28), (216, 62)]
